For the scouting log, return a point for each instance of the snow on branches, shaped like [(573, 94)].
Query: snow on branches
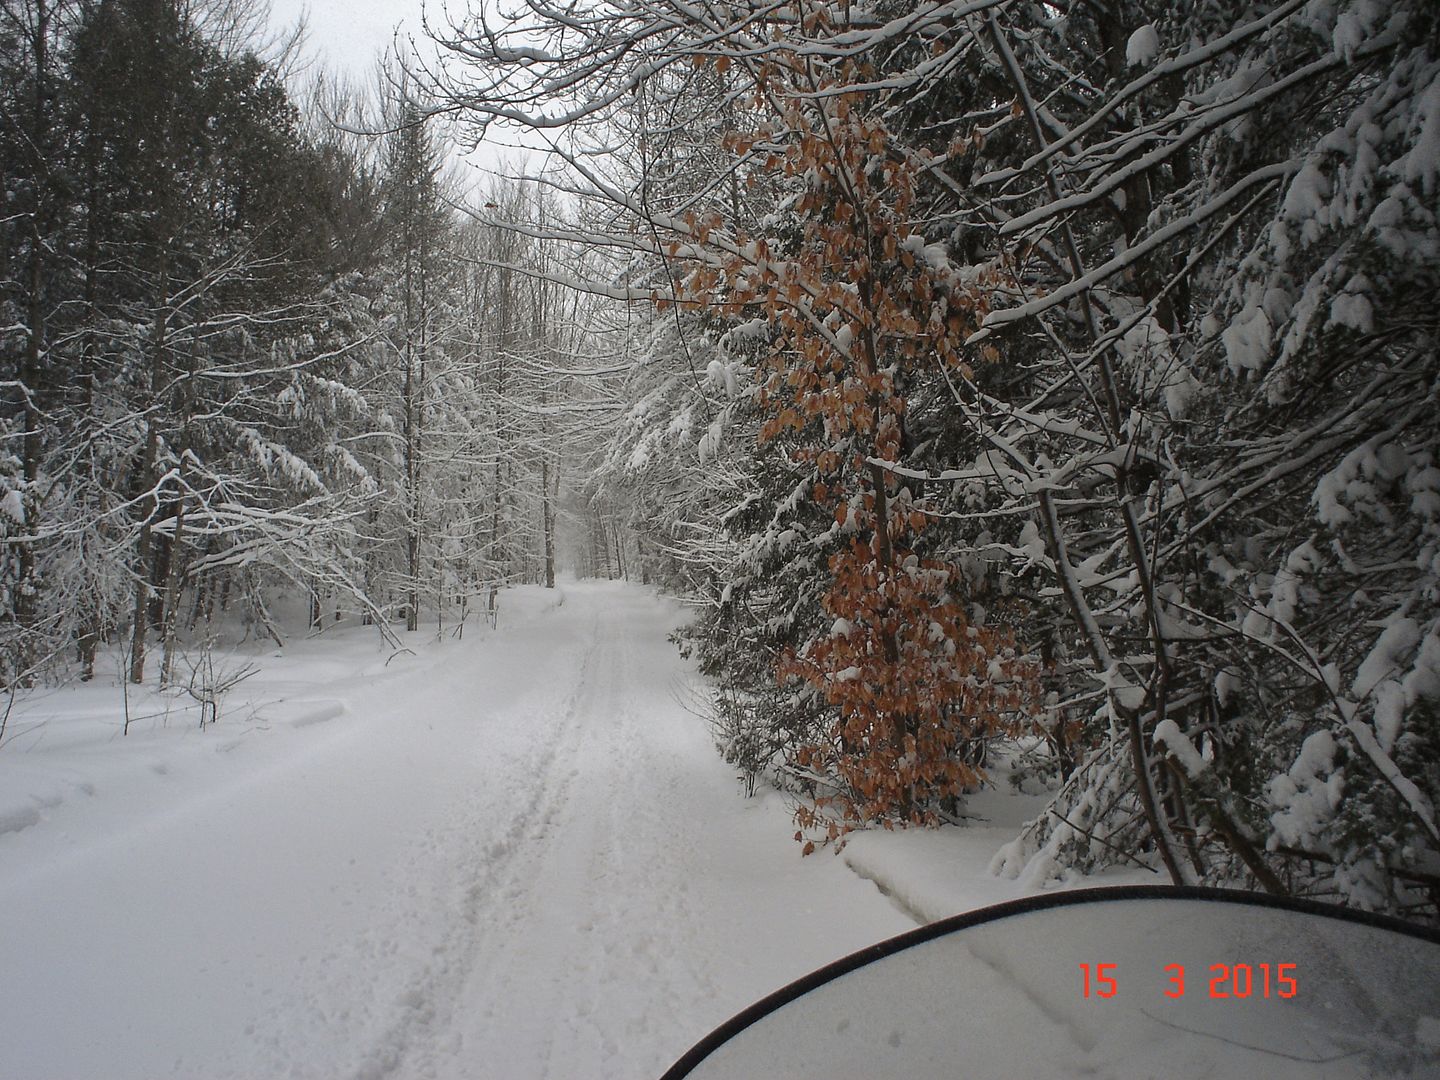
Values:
[(1116, 329)]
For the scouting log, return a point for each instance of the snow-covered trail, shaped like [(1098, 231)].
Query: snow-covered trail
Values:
[(514, 856)]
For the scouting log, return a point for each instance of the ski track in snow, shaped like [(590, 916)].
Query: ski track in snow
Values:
[(515, 856)]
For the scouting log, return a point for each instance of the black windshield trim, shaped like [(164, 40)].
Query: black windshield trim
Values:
[(769, 1004)]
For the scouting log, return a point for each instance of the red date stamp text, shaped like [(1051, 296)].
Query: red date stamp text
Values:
[(1222, 981)]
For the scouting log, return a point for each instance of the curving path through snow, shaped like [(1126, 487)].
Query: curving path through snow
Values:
[(513, 856)]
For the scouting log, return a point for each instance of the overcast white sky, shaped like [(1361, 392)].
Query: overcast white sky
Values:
[(348, 35)]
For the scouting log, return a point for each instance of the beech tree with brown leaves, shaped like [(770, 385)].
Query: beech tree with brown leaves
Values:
[(856, 313)]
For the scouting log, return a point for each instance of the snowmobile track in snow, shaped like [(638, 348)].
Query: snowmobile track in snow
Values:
[(512, 857)]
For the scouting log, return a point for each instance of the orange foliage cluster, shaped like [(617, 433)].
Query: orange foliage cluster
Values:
[(855, 306), (914, 683)]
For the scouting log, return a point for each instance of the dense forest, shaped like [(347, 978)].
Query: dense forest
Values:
[(250, 345), (999, 379)]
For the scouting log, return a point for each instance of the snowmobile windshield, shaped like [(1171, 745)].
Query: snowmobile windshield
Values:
[(1115, 983)]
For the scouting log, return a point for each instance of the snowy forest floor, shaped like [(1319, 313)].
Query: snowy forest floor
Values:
[(515, 855)]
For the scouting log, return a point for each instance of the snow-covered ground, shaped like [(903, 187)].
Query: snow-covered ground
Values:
[(515, 855)]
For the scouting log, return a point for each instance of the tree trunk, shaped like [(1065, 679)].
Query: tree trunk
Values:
[(87, 645), (26, 594), (145, 543), (140, 614), (412, 469), (547, 516), (175, 574)]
